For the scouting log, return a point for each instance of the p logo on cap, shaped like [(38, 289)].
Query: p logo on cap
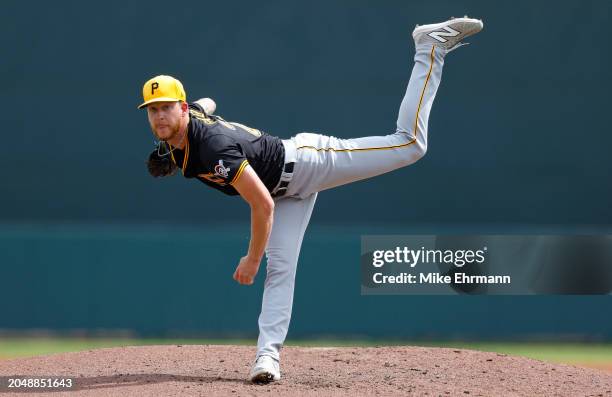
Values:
[(162, 89)]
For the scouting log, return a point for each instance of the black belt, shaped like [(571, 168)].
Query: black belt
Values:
[(286, 177)]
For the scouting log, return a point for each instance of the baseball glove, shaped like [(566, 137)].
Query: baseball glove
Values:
[(159, 166)]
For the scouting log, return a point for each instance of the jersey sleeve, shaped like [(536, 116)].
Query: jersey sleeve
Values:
[(197, 107), (224, 159)]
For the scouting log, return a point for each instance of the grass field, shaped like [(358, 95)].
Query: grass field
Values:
[(586, 354)]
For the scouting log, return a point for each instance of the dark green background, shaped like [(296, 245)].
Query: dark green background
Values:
[(519, 141)]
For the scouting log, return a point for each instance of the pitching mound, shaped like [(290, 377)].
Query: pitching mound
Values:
[(221, 370)]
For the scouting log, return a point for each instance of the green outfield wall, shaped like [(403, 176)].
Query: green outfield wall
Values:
[(519, 132), (166, 280)]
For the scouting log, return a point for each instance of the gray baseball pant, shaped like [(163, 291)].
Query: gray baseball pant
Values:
[(323, 162)]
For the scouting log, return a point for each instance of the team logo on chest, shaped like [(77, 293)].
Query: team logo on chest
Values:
[(221, 170)]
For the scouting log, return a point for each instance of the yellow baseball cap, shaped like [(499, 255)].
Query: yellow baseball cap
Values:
[(162, 89)]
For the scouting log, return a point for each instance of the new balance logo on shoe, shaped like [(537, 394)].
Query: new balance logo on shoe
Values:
[(447, 31)]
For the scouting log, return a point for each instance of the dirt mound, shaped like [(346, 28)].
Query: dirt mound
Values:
[(221, 370)]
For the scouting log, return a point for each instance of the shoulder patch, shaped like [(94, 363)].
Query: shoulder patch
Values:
[(221, 170)]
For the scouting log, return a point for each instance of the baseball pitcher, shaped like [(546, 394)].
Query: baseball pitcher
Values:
[(280, 179)]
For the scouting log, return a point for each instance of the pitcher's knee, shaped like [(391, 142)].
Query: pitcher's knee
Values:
[(280, 274), (420, 150), (416, 151), (417, 143), (280, 268)]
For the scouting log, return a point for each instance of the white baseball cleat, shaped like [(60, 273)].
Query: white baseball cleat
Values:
[(265, 370), (447, 34)]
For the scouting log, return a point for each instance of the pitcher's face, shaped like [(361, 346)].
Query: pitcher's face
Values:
[(165, 119)]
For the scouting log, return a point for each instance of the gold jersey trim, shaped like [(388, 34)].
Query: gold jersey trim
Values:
[(240, 170), (186, 157)]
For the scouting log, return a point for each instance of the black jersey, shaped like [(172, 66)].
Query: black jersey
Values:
[(217, 151)]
